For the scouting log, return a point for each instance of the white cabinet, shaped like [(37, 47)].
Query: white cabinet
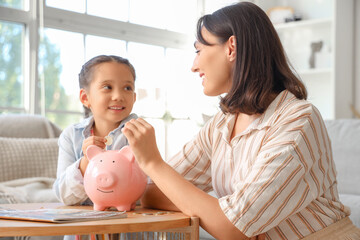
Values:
[(320, 48)]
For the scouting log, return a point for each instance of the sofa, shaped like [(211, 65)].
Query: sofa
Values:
[(28, 160), (345, 139)]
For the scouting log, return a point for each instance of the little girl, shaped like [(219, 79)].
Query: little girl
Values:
[(107, 86)]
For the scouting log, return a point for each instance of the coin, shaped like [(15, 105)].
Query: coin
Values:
[(109, 140), (160, 213), (145, 214)]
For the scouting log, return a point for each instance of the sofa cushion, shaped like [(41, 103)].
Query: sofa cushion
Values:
[(353, 202), (28, 190), (345, 139), (27, 157), (27, 126)]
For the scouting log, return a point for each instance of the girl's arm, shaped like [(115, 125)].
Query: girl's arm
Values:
[(68, 185), (185, 196)]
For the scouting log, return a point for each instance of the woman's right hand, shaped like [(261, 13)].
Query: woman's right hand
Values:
[(141, 137), (92, 140)]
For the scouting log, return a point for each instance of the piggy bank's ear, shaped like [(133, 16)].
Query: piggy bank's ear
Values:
[(127, 152), (92, 151)]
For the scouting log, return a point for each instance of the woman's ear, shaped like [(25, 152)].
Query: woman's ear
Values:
[(84, 98), (231, 46)]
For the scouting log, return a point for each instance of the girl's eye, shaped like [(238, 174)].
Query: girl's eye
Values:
[(197, 51), (128, 88), (107, 87)]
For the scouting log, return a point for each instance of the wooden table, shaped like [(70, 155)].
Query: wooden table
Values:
[(139, 220)]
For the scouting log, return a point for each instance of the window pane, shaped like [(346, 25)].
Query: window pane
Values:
[(148, 13), (179, 133), (11, 68), (70, 5), (181, 86), (11, 111), (175, 19), (19, 4), (113, 9), (159, 127), (64, 120), (212, 5), (148, 61), (185, 97), (95, 46), (61, 55)]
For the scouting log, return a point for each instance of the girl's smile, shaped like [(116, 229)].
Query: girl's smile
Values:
[(116, 108), (111, 94)]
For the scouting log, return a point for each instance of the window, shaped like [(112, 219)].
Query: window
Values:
[(159, 43), (113, 9), (17, 4), (70, 5), (11, 67), (150, 98), (95, 46), (61, 55)]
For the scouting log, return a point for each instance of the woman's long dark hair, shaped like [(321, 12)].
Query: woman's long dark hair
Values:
[(261, 67)]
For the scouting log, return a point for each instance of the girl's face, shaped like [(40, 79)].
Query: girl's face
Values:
[(214, 64), (111, 93)]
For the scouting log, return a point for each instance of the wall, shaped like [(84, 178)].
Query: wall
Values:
[(357, 55)]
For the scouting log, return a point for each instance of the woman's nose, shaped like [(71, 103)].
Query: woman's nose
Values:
[(194, 67)]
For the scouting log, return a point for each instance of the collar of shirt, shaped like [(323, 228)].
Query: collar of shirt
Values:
[(86, 125)]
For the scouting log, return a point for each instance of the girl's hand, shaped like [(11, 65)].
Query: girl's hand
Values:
[(92, 140), (141, 137)]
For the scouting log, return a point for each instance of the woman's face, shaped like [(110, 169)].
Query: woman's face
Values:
[(213, 64)]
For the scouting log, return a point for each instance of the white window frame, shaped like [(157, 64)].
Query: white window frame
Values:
[(39, 15), (31, 42)]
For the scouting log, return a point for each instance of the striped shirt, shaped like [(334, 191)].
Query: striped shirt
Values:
[(277, 177)]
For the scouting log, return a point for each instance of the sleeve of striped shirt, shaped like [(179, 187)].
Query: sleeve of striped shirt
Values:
[(194, 160), (292, 169)]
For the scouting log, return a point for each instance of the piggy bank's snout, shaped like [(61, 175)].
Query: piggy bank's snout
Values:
[(105, 180)]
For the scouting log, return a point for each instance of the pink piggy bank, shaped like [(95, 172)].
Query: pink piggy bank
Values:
[(113, 178)]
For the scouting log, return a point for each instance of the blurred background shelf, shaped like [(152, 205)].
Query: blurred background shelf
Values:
[(313, 23), (315, 72), (319, 47)]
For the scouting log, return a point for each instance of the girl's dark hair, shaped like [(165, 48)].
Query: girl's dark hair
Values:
[(85, 75), (261, 67)]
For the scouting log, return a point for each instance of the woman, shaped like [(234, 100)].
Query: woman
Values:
[(266, 155)]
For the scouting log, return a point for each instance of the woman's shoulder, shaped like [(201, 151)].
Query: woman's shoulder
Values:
[(287, 102), (294, 109), (300, 106)]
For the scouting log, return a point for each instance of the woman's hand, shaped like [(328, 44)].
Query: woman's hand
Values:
[(141, 137), (92, 140)]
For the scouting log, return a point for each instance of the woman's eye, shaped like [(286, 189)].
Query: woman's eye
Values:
[(128, 88), (197, 51)]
